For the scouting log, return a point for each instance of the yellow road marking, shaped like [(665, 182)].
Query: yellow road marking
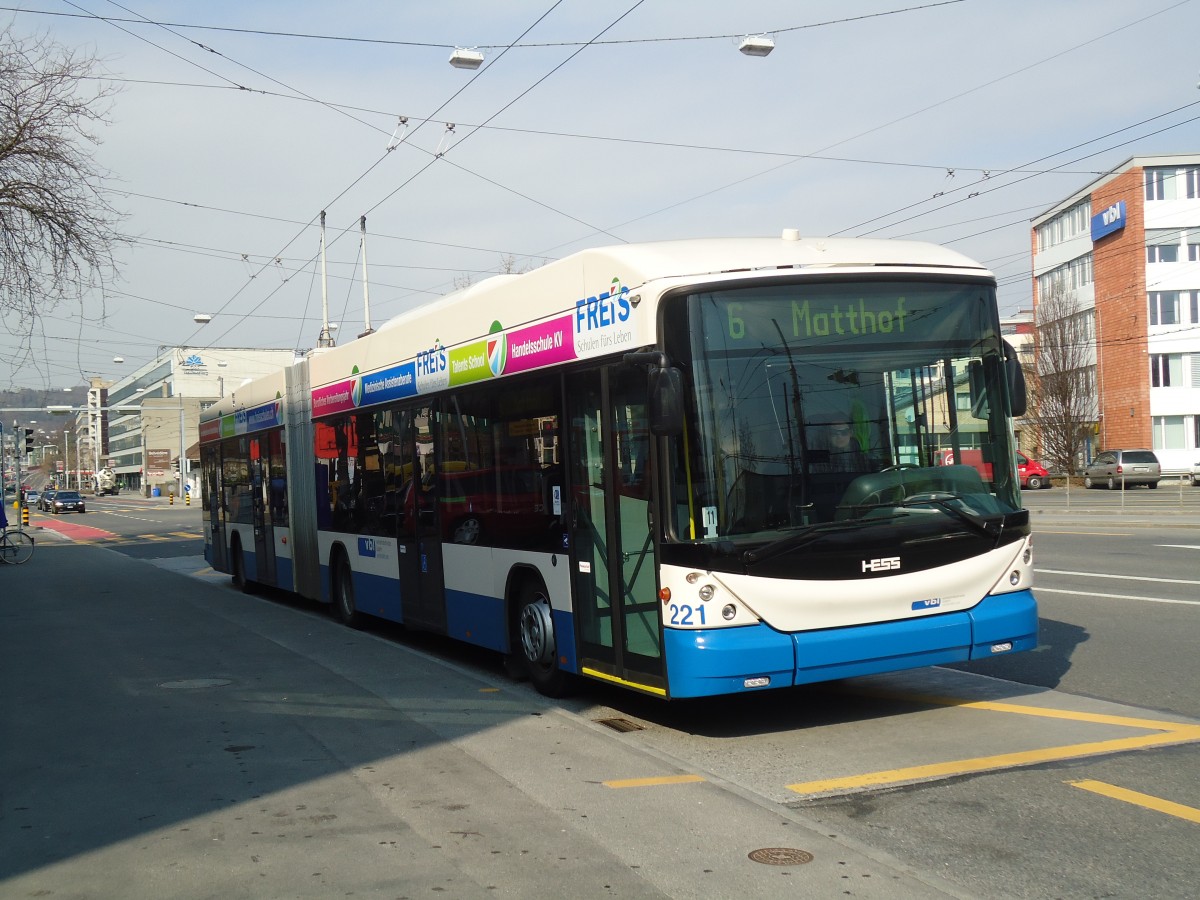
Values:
[(1166, 733), (1044, 712), (1144, 800), (999, 761), (652, 782)]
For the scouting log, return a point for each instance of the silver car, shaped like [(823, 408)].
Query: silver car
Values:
[(1123, 468)]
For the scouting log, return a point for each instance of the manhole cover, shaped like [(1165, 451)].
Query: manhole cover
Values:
[(621, 725), (781, 856), (191, 684)]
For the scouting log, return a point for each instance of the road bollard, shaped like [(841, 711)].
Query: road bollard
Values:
[(171, 498), (25, 514), (187, 498)]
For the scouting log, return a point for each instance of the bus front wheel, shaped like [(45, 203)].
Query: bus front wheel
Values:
[(535, 642)]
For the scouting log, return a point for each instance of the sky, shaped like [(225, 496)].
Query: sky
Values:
[(590, 123)]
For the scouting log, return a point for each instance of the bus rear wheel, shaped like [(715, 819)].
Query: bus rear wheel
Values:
[(344, 606), (237, 567), (535, 642)]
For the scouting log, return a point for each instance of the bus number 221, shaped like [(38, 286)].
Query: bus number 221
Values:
[(682, 615)]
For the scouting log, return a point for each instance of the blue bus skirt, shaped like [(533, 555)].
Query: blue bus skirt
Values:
[(707, 662)]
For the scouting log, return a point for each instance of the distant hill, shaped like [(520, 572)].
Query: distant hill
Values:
[(24, 398)]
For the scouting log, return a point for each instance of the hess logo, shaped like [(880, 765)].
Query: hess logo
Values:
[(882, 564)]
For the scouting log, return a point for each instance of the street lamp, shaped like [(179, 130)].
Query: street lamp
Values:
[(756, 45), (67, 456), (466, 58)]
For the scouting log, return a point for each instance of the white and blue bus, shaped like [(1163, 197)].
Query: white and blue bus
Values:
[(689, 468)]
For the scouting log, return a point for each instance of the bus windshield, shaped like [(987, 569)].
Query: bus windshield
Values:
[(829, 405)]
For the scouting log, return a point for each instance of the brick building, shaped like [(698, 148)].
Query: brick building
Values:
[(1125, 251)]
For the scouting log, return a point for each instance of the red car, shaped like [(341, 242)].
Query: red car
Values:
[(1032, 473)]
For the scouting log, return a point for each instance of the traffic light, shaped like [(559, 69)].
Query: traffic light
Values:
[(175, 465), (28, 440)]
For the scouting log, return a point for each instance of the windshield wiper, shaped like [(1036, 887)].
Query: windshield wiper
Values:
[(941, 501), (805, 535)]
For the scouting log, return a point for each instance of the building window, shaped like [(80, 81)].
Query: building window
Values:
[(1067, 277), (1162, 245), (1164, 308), (1068, 224), (1161, 184), (1166, 369), (1192, 177), (1170, 433)]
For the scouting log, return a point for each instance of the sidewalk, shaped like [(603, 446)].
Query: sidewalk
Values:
[(1142, 515), (161, 735)]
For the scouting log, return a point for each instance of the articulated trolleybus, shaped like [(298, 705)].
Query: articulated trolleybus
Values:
[(690, 468)]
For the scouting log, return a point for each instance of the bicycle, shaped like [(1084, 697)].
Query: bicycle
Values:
[(16, 546)]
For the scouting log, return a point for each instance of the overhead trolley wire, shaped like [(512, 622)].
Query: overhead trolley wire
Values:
[(441, 46)]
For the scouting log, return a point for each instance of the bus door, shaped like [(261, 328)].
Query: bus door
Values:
[(419, 545), (264, 532), (211, 475), (617, 613)]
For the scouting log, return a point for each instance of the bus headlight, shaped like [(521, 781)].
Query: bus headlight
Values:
[(707, 592), (1014, 578), (728, 612)]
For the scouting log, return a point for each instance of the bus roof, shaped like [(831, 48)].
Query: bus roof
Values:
[(510, 301), (640, 264)]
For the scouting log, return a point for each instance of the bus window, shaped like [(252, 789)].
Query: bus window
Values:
[(498, 471)]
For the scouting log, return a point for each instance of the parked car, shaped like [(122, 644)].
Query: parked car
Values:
[(32, 497), (1196, 473), (45, 500), (67, 501), (1123, 468)]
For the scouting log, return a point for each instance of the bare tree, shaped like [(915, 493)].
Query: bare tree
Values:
[(508, 266), (1063, 397), (57, 226)]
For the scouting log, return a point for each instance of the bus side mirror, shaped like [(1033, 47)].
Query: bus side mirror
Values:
[(665, 406), (1016, 381)]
